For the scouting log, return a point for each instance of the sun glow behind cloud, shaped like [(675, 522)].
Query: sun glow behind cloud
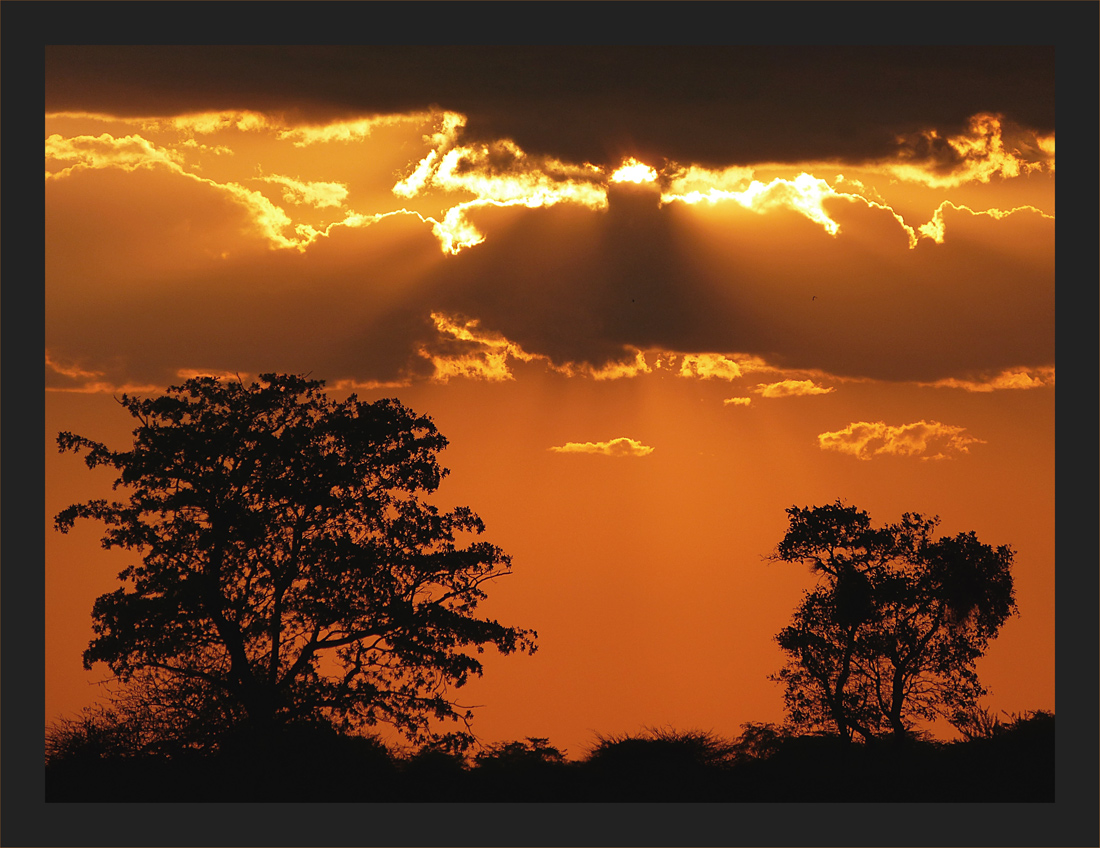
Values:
[(657, 353), (499, 173), (633, 171), (288, 209)]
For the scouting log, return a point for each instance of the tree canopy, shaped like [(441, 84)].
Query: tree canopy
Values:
[(893, 630), (291, 566)]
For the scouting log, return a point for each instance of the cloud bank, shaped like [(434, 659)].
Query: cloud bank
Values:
[(459, 256), (694, 103)]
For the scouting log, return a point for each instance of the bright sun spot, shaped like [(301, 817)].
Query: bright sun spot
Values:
[(633, 171)]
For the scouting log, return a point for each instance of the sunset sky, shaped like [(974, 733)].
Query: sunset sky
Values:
[(653, 297)]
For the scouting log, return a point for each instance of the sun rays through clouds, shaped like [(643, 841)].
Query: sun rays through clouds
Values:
[(499, 173), (650, 296)]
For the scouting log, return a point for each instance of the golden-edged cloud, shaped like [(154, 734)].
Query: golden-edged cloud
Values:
[(1017, 378), (467, 350), (348, 131), (936, 228), (128, 153), (989, 148), (68, 376), (737, 285), (621, 446), (804, 194), (317, 194), (923, 439), (791, 388), (131, 152), (463, 348), (499, 173), (707, 366)]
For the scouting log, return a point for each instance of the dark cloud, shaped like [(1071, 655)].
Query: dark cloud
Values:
[(569, 283), (729, 280), (702, 104)]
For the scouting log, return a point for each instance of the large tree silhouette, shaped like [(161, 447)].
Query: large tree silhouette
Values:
[(892, 631), (291, 566)]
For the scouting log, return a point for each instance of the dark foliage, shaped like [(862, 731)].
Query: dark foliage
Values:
[(316, 763), (292, 569), (516, 771), (892, 632), (659, 764)]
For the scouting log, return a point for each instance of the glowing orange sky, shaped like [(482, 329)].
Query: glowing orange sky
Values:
[(639, 366)]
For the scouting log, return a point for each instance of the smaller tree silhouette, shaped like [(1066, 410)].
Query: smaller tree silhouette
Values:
[(892, 631)]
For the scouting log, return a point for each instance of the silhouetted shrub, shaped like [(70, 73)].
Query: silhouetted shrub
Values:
[(660, 765), (532, 770), (1015, 764)]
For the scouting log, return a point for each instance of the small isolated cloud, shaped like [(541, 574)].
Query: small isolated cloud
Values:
[(737, 401), (926, 439), (615, 447), (791, 388), (1019, 378)]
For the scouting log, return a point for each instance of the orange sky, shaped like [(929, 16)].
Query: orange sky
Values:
[(640, 361)]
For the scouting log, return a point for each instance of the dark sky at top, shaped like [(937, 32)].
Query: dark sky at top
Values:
[(702, 104)]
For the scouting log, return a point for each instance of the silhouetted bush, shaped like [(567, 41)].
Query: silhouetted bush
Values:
[(532, 770), (1016, 763), (659, 765)]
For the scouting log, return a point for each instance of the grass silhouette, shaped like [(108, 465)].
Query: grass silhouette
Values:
[(1010, 761)]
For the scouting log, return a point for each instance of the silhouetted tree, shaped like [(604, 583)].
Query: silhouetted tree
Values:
[(291, 568), (894, 628)]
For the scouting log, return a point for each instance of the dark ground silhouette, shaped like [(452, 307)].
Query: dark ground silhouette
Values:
[(1013, 763)]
